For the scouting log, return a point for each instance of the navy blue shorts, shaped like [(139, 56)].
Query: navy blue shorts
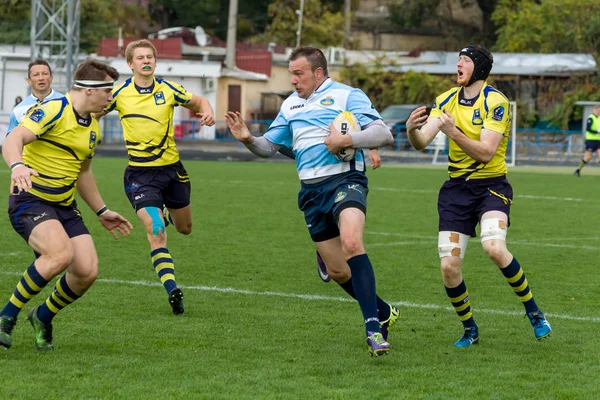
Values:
[(27, 211), (155, 186), (592, 145), (461, 203), (323, 202)]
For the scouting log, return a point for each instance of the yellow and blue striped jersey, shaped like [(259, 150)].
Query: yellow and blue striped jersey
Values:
[(147, 118), (489, 110), (64, 141)]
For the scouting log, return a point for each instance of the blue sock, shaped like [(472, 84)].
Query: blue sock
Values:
[(363, 282), (383, 308)]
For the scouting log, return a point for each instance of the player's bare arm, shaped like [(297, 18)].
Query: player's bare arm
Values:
[(259, 146), (12, 149), (203, 109), (88, 190), (421, 129), (482, 150)]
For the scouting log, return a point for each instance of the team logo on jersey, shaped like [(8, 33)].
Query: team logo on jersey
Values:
[(159, 98), (498, 113), (327, 101), (36, 115), (434, 104), (93, 137), (477, 117), (340, 196)]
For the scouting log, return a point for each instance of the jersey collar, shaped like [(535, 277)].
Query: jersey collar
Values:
[(50, 95), (146, 90)]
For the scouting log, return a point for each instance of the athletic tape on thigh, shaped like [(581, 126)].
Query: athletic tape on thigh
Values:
[(158, 225), (493, 228), (452, 244)]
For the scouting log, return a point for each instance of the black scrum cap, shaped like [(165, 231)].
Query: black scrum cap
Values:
[(482, 59)]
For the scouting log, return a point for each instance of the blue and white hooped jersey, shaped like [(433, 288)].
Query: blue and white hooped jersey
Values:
[(303, 124), (20, 110)]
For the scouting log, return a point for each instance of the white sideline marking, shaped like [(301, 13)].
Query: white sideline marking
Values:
[(406, 304), (391, 189), (433, 240), (518, 196)]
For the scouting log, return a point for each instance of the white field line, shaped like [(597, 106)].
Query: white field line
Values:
[(433, 240), (317, 297), (391, 189)]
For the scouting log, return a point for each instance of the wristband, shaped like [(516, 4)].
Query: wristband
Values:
[(102, 211), (16, 164)]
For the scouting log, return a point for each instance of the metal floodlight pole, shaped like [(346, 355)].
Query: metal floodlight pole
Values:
[(231, 35), (300, 13), (54, 35)]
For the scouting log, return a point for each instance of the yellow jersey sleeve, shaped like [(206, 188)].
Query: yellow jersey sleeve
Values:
[(437, 109), (43, 117), (497, 118), (180, 95)]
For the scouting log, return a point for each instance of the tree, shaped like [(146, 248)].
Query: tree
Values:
[(12, 26), (189, 13), (320, 26), (385, 88), (548, 26), (99, 18), (102, 18)]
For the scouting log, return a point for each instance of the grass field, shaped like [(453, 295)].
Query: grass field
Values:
[(259, 323)]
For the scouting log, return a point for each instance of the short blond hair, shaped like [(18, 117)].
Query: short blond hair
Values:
[(144, 43)]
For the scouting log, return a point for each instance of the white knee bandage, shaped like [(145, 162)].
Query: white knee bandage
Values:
[(493, 229), (452, 244)]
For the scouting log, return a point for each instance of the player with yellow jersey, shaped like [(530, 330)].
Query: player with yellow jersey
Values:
[(50, 154), (476, 119), (156, 183)]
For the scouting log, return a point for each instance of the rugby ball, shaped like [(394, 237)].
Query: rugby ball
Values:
[(347, 124)]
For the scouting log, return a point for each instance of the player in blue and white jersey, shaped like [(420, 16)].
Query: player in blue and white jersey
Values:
[(39, 77), (333, 193)]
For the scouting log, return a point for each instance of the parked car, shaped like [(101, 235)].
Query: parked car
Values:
[(395, 117)]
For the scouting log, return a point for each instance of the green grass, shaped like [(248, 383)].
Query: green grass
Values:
[(244, 334)]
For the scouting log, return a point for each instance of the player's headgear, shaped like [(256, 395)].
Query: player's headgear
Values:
[(482, 59)]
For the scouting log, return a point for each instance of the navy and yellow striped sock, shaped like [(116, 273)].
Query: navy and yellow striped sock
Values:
[(163, 265), (61, 296), (516, 279), (459, 297), (31, 283), (581, 165)]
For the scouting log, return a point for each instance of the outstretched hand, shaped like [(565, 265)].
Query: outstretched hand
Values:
[(114, 222), (417, 118), (21, 178), (238, 127)]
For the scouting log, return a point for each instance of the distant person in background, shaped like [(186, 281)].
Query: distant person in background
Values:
[(592, 139), (39, 77), (18, 100)]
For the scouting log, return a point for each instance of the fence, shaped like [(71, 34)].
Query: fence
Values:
[(533, 146)]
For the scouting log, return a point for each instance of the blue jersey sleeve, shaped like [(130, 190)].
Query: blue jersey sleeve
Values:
[(279, 132), (359, 104), (12, 123)]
